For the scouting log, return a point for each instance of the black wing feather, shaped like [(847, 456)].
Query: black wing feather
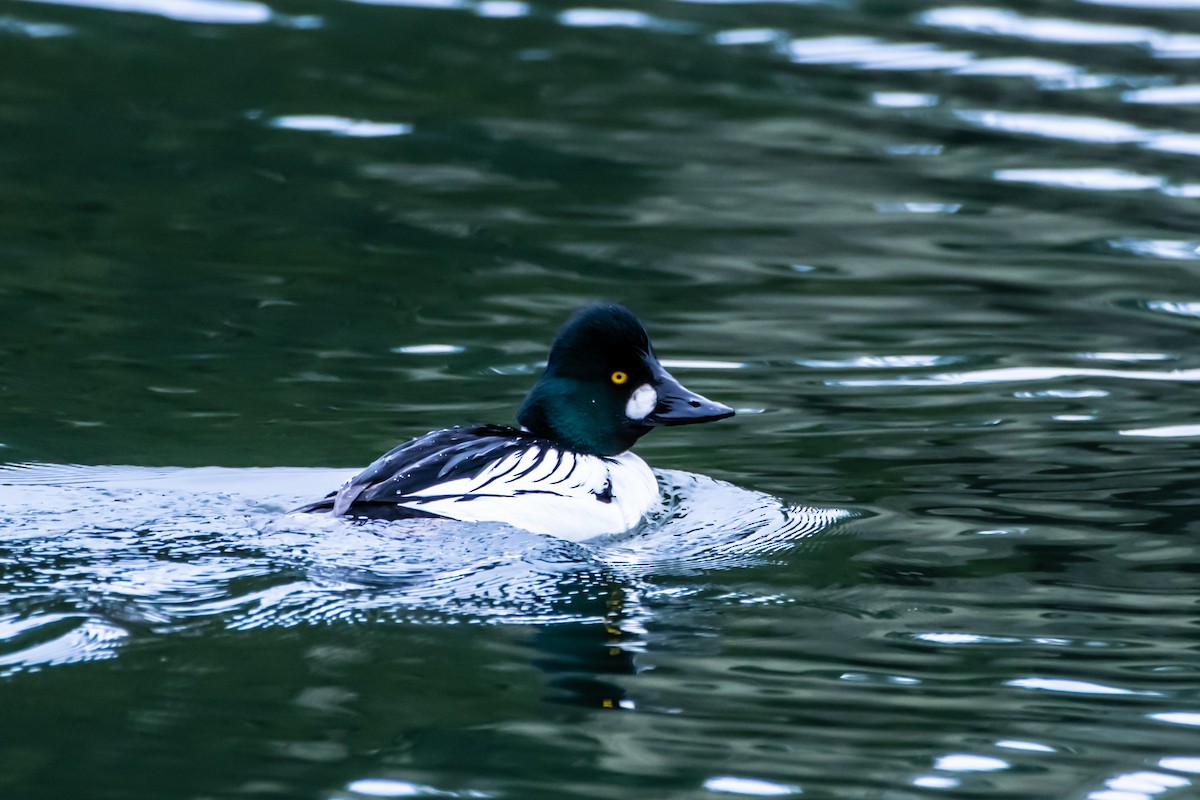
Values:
[(436, 457)]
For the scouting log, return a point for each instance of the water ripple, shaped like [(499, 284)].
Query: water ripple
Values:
[(1032, 747), (1002, 22), (1188, 94), (429, 349), (1071, 686), (1190, 718), (1045, 71), (1152, 4), (868, 52), (1164, 432), (390, 787), (53, 639), (1091, 130), (746, 36), (221, 12), (1175, 307), (880, 362), (753, 787), (618, 18), (904, 100), (1097, 179), (34, 30), (969, 762), (1023, 375), (170, 547), (502, 9), (341, 126), (1139, 785), (874, 53), (1056, 126), (449, 5), (1166, 249)]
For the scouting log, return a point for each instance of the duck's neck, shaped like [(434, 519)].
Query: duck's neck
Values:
[(559, 409)]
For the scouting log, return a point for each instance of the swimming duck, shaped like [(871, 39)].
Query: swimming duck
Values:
[(567, 471)]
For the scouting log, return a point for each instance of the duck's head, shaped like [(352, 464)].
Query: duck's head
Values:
[(604, 388)]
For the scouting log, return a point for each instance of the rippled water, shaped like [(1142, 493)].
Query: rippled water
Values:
[(942, 258), (167, 548)]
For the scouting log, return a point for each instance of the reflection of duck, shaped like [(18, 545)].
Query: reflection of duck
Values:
[(568, 471), (583, 662)]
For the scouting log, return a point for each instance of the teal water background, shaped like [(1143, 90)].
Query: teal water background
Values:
[(943, 259)]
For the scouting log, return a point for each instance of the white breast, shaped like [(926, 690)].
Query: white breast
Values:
[(549, 491)]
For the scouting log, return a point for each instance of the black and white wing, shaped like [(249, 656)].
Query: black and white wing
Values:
[(421, 463), (477, 474)]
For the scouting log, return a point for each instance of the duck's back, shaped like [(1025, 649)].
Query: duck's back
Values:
[(501, 474)]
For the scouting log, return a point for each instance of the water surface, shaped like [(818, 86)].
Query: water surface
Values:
[(942, 258)]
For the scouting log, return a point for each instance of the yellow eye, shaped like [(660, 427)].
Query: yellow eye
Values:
[(619, 377)]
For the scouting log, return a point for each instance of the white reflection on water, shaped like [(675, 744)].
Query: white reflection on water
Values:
[(894, 680), (753, 787), (1050, 73), (1069, 686), (1096, 179), (1002, 22), (1164, 4), (387, 787), (869, 52), (34, 30), (1177, 717), (1056, 126), (1085, 129), (742, 36), (1018, 744), (449, 5), (1128, 358), (940, 637), (1164, 432), (918, 208), (1168, 249), (45, 643), (341, 126), (1183, 190), (429, 349), (873, 53), (1069, 394), (502, 9), (696, 363), (1183, 143), (879, 362), (936, 782), (1181, 763), (1138, 786), (1175, 307), (904, 99), (1022, 375), (616, 18), (755, 2), (1187, 94), (969, 762), (226, 12)]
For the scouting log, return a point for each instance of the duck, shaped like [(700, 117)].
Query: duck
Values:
[(568, 470)]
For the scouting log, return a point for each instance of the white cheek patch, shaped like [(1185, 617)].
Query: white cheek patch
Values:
[(641, 402)]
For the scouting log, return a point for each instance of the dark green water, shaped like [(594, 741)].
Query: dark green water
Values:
[(944, 259)]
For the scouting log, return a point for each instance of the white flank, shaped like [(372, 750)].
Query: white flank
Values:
[(568, 495)]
